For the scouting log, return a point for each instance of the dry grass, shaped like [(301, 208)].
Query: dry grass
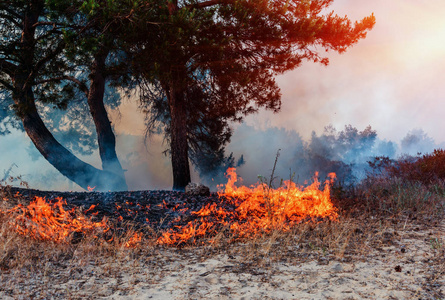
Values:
[(373, 215)]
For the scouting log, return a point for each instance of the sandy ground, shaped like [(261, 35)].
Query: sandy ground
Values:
[(410, 267)]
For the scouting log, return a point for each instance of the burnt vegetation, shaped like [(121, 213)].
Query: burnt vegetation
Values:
[(391, 203), (199, 66)]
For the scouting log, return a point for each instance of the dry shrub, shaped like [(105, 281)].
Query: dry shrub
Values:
[(407, 186), (345, 240), (426, 169), (392, 196), (398, 196)]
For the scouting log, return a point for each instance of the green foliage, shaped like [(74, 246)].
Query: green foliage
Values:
[(90, 7)]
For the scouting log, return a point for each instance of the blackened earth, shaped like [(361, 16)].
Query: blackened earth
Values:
[(159, 209)]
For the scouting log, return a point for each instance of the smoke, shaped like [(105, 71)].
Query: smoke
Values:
[(19, 158), (259, 149), (147, 167), (417, 142), (391, 80), (344, 151)]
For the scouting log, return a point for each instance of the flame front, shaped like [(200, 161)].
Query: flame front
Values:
[(256, 209), (239, 212), (50, 221)]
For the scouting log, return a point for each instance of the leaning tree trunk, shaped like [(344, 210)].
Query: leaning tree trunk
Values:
[(178, 137), (23, 79), (105, 135), (63, 160)]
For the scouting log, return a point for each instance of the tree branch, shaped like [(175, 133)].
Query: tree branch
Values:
[(7, 67), (50, 56), (209, 3), (10, 11), (82, 86), (11, 19), (44, 24), (47, 34)]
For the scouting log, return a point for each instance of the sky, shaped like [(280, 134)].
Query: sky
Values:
[(392, 80)]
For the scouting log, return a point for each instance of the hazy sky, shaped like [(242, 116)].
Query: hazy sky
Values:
[(391, 81)]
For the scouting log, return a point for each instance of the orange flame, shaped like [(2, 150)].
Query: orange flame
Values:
[(134, 240), (241, 212), (50, 221), (90, 189), (257, 209), (267, 208)]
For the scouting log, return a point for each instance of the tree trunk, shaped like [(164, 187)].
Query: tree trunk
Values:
[(105, 135), (178, 113), (178, 134), (63, 160), (23, 80)]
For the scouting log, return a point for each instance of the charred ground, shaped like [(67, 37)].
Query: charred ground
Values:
[(158, 209), (388, 230)]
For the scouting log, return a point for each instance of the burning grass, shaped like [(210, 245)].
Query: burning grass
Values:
[(240, 212), (236, 214), (245, 212), (44, 220), (374, 215)]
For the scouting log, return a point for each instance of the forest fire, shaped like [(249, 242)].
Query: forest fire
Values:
[(43, 220), (247, 211), (234, 212)]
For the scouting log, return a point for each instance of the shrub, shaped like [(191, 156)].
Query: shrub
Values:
[(427, 169)]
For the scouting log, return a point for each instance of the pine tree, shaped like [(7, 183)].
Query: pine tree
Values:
[(231, 51), (35, 71)]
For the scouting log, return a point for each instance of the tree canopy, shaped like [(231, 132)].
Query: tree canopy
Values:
[(227, 54), (201, 65), (37, 71)]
